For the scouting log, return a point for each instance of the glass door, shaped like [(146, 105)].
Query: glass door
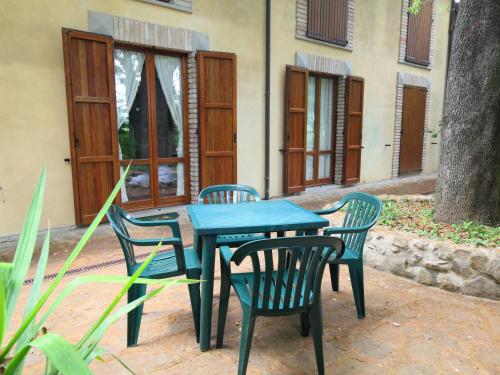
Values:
[(320, 130), (151, 125)]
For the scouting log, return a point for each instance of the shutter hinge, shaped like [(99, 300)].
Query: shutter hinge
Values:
[(234, 138)]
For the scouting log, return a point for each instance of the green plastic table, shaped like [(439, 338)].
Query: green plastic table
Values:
[(212, 220)]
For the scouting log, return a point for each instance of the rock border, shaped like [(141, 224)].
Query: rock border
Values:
[(465, 269)]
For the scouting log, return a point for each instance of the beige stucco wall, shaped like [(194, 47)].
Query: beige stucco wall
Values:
[(375, 58), (33, 114)]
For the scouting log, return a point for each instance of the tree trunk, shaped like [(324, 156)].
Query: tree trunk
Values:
[(469, 168)]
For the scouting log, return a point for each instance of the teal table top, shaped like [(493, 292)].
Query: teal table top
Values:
[(253, 217)]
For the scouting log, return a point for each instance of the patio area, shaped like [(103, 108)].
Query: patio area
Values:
[(409, 328)]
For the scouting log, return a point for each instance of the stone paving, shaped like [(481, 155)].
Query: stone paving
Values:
[(409, 328)]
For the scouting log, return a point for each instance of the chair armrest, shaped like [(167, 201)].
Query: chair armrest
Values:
[(341, 230), (154, 241), (173, 224), (330, 210), (226, 254)]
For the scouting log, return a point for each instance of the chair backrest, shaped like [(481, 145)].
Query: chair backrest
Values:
[(361, 209), (279, 289), (228, 194), (115, 216)]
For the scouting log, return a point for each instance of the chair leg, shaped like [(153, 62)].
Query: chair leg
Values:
[(334, 276), (194, 296), (225, 289), (317, 335), (134, 317), (304, 324), (357, 282), (248, 324)]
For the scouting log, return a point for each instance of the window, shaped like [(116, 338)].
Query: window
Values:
[(418, 39), (151, 126), (182, 5), (327, 21), (320, 129)]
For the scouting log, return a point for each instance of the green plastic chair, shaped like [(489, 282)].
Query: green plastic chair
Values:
[(362, 213), (273, 289), (231, 194), (180, 261)]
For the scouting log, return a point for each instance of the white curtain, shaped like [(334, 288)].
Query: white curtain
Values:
[(169, 75), (326, 114), (128, 69)]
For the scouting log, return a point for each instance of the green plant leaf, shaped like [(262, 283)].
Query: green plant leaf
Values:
[(86, 279), (71, 258), (59, 352), (25, 247), (118, 297), (93, 340), (35, 290), (99, 352), (5, 269)]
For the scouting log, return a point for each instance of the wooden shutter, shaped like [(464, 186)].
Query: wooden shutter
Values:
[(295, 129), (90, 92), (217, 114), (327, 21), (418, 39), (412, 130), (353, 130)]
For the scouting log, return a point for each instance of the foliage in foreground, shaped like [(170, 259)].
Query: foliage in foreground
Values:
[(62, 356), (417, 217)]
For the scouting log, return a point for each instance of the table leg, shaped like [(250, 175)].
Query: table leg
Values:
[(197, 243), (207, 289)]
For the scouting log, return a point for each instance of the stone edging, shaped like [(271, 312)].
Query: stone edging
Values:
[(465, 269)]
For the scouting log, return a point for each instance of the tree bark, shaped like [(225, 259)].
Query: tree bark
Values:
[(469, 167)]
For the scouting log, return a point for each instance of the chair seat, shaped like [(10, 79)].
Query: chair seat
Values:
[(243, 282), (238, 239), (165, 264), (349, 255)]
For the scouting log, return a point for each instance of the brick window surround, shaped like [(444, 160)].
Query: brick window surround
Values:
[(406, 79), (404, 31), (301, 24), (149, 34), (340, 68)]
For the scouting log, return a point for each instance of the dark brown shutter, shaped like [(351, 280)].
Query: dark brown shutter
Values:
[(353, 130), (418, 39), (90, 91), (217, 114), (295, 128), (327, 21), (412, 130)]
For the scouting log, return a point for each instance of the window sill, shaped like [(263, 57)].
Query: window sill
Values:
[(181, 8), (346, 48), (425, 67)]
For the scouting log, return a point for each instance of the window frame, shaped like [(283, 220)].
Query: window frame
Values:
[(154, 160), (315, 181)]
